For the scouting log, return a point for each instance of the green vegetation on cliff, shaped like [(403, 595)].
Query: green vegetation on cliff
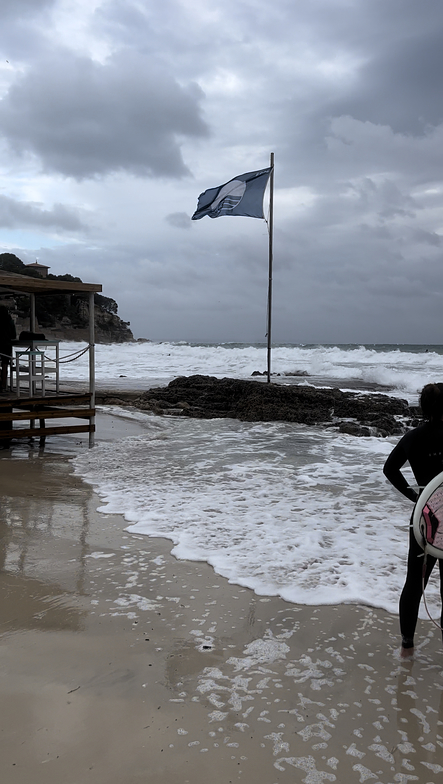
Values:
[(67, 315)]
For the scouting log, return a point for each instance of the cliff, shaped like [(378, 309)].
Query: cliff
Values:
[(109, 328), (64, 316)]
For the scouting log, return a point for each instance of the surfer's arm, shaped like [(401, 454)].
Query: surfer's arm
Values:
[(392, 472)]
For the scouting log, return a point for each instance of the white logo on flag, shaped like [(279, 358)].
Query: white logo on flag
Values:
[(228, 198)]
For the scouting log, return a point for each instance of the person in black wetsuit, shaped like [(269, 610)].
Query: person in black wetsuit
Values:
[(423, 449), (7, 335)]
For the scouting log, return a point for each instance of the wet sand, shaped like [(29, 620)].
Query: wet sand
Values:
[(120, 664)]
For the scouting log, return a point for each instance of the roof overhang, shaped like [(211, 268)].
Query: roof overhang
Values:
[(22, 284)]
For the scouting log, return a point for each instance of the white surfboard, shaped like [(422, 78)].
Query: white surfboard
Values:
[(427, 520)]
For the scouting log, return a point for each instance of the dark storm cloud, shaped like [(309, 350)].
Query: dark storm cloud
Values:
[(17, 214), (373, 61), (402, 86), (83, 119)]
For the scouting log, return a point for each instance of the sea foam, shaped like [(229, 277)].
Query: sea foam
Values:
[(284, 509)]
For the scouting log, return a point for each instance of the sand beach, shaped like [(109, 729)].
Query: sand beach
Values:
[(120, 664)]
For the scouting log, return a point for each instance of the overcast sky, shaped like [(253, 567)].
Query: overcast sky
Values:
[(116, 114)]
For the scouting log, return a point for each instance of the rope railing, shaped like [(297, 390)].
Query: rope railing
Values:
[(75, 355), (72, 357), (67, 358)]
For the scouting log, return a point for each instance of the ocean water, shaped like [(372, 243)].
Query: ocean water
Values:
[(285, 509), (399, 370)]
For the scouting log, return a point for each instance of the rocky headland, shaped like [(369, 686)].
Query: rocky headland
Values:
[(109, 327), (206, 397), (62, 316)]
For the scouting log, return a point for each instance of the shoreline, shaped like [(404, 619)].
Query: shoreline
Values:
[(121, 663)]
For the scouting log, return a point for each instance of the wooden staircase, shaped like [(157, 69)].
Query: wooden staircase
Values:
[(27, 417)]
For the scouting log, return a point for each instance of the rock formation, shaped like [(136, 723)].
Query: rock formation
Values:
[(206, 397)]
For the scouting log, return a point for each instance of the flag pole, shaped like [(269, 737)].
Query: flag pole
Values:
[(271, 231)]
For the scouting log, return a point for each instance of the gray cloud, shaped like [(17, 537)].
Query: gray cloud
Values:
[(22, 29), (16, 8), (402, 86), (355, 283), (17, 214), (180, 220), (83, 119)]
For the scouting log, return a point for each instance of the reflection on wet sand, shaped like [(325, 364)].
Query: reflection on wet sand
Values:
[(31, 604), (43, 547)]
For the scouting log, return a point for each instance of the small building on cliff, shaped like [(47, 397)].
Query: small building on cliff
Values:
[(40, 269)]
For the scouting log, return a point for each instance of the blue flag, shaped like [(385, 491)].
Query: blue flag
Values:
[(241, 196)]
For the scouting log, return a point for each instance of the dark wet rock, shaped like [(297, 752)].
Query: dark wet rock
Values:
[(353, 429), (293, 374), (207, 397)]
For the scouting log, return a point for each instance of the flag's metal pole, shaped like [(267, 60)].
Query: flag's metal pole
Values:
[(271, 231), (92, 365)]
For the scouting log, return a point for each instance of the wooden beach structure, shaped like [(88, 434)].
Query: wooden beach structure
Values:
[(34, 406)]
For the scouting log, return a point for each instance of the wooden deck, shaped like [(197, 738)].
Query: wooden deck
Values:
[(26, 417)]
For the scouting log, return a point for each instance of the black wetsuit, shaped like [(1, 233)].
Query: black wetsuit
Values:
[(7, 335), (423, 449)]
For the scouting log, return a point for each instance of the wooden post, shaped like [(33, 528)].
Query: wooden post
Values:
[(32, 313)]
